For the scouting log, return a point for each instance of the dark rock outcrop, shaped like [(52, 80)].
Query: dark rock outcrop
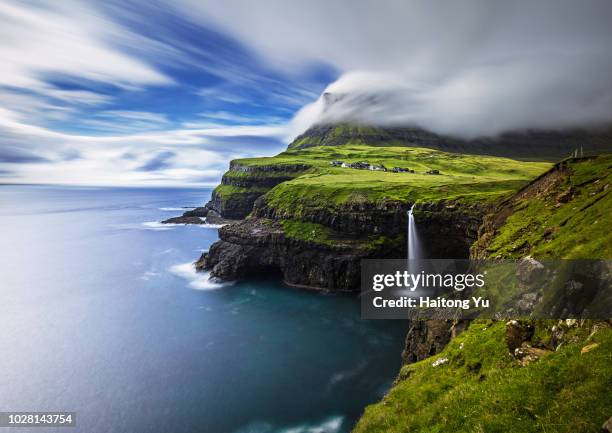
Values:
[(259, 247), (449, 227), (238, 207), (518, 332), (193, 216), (425, 338)]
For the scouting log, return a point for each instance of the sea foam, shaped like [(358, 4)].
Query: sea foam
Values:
[(197, 280), (176, 209), (156, 225)]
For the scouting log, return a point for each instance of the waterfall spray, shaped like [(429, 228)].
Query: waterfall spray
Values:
[(414, 250), (413, 240)]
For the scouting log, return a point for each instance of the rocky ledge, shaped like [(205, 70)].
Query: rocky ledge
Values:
[(323, 251), (194, 216), (259, 247), (199, 215)]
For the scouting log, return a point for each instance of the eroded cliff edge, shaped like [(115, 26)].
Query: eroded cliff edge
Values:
[(323, 250)]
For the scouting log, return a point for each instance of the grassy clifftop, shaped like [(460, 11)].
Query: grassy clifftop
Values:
[(319, 184)]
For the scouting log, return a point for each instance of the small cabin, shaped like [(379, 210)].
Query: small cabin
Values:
[(401, 170)]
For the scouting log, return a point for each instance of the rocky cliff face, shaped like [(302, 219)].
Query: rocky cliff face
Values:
[(426, 338), (449, 228), (259, 247), (242, 185), (260, 244)]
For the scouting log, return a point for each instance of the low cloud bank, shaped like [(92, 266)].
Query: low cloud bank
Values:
[(462, 68)]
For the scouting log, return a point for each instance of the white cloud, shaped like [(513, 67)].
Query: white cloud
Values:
[(183, 156), (465, 68), (65, 38)]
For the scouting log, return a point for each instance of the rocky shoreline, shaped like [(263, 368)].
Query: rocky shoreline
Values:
[(199, 215)]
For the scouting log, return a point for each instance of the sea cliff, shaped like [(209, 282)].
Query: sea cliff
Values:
[(310, 220)]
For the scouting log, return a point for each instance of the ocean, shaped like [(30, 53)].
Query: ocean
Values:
[(102, 314)]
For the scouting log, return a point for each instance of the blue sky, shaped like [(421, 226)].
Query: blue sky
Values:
[(123, 93), (150, 93)]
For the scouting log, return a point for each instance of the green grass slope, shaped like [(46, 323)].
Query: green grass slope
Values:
[(482, 388), (565, 214), (467, 177)]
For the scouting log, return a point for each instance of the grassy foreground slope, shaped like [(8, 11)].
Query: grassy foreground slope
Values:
[(480, 386)]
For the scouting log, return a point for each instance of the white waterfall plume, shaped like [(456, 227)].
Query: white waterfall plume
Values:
[(414, 249)]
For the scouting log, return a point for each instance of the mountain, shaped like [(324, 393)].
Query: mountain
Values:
[(525, 145)]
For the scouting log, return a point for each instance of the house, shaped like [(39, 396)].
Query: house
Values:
[(375, 167), (337, 164), (432, 172), (361, 165), (401, 170)]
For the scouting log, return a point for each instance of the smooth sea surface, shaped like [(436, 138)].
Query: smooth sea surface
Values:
[(102, 314)]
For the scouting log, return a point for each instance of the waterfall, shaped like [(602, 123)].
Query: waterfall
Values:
[(414, 252)]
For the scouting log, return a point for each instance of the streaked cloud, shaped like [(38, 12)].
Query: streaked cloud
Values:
[(110, 93), (65, 38), (183, 156), (477, 67)]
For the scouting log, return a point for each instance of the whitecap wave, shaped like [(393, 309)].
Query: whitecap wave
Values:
[(330, 425), (176, 209), (210, 226), (156, 225), (197, 280)]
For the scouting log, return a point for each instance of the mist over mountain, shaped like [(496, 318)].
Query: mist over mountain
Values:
[(527, 145)]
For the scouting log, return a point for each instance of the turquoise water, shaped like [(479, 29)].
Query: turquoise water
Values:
[(102, 314)]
